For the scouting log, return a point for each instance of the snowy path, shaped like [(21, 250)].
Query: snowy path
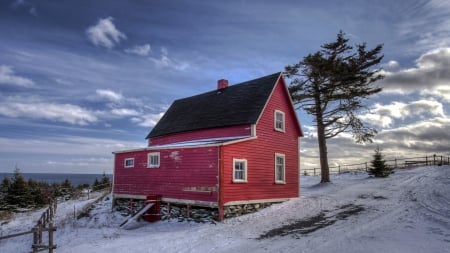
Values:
[(407, 212)]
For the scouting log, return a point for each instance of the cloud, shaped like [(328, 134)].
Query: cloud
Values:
[(105, 33), (442, 92), (66, 113), (74, 145), (384, 115), (429, 135), (420, 138), (432, 71), (430, 17), (166, 61), (377, 119), (74, 153), (23, 4), (143, 50), (148, 120), (125, 112), (7, 76), (109, 94), (391, 66)]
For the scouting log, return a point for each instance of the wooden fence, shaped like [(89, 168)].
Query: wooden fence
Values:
[(395, 163), (44, 224)]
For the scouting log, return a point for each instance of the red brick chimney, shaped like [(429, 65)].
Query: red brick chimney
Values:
[(222, 84)]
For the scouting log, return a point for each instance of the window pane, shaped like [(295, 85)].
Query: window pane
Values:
[(129, 162), (279, 120), (279, 168), (239, 170), (153, 160), (239, 175)]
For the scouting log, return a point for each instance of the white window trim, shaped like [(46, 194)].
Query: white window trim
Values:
[(245, 171), (125, 163), (149, 155), (284, 168), (275, 121)]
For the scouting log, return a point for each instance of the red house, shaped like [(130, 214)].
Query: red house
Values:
[(236, 145)]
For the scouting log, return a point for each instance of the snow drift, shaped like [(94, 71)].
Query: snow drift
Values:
[(407, 212)]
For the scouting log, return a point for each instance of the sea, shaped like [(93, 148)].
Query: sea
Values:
[(75, 179)]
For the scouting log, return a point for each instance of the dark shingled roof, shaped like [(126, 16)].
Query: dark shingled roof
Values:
[(237, 104)]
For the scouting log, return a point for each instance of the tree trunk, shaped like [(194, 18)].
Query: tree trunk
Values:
[(324, 169)]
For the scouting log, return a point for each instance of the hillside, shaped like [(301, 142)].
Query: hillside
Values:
[(407, 212)]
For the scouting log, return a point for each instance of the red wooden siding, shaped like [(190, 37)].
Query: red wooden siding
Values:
[(233, 131), (179, 171), (184, 172), (260, 155)]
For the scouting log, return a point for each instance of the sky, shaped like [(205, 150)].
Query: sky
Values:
[(81, 79)]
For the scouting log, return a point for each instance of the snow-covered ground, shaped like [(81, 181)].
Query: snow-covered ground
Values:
[(407, 212)]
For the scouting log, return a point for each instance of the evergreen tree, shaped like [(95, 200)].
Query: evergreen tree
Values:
[(379, 167), (37, 197), (4, 186), (96, 185), (18, 192), (66, 189), (104, 183), (331, 85)]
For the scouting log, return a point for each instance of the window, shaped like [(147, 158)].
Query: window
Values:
[(153, 160), (279, 121), (280, 168), (129, 162), (239, 170)]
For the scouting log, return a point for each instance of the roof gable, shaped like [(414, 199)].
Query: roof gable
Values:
[(237, 104)]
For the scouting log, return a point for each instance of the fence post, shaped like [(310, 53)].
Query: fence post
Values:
[(35, 239), (395, 162), (50, 207), (434, 159), (314, 171), (339, 169), (50, 237), (43, 219), (39, 232), (426, 160)]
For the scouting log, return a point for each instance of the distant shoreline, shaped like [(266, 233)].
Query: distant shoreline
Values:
[(75, 179)]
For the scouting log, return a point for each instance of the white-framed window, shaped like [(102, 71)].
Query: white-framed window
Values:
[(153, 160), (279, 121), (239, 170), (128, 162), (280, 168)]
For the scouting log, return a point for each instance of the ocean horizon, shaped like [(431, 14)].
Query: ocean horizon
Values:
[(75, 179)]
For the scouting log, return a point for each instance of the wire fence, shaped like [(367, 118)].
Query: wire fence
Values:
[(436, 160)]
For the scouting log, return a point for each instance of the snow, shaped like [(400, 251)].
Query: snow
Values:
[(202, 142), (407, 212)]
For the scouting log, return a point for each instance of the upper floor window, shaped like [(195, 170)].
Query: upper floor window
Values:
[(129, 163), (153, 160), (239, 170), (279, 121), (280, 171)]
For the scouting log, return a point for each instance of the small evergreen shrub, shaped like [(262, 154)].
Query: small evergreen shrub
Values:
[(379, 168)]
